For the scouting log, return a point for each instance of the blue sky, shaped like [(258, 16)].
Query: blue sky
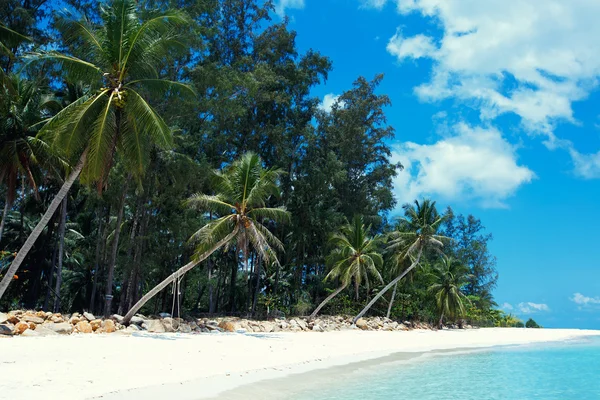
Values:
[(495, 106)]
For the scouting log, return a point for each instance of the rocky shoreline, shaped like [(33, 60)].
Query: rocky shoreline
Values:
[(40, 323)]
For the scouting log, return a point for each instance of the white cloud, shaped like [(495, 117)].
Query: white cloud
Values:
[(418, 46), (507, 306), (530, 308), (531, 58), (282, 5), (328, 101), (378, 4), (584, 301), (586, 165), (470, 164)]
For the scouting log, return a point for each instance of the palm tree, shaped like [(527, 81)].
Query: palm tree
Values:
[(118, 64), (10, 40), (23, 105), (355, 256), (450, 276), (243, 190), (418, 232)]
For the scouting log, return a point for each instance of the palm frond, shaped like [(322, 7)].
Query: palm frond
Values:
[(149, 123)]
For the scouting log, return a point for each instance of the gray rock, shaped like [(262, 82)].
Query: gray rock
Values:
[(89, 316), (3, 318), (64, 328), (185, 328), (156, 326), (170, 324), (132, 328), (5, 330), (212, 323), (118, 318), (317, 328)]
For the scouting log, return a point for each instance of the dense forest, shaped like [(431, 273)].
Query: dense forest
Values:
[(178, 142)]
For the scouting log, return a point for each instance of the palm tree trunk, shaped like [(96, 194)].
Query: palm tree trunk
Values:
[(61, 253), (331, 296), (100, 245), (389, 286), (392, 301), (4, 214), (211, 303), (37, 231), (50, 279), (176, 275), (257, 289), (441, 324), (113, 257)]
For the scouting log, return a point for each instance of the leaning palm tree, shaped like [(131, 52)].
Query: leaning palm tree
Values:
[(243, 190), (118, 63), (450, 277), (421, 224), (355, 256)]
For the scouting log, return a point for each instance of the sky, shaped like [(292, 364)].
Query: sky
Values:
[(495, 106)]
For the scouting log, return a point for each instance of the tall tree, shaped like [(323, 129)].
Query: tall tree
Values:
[(422, 222), (243, 191), (117, 62), (451, 276), (355, 256)]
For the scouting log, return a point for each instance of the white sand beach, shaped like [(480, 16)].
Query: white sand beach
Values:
[(182, 366)]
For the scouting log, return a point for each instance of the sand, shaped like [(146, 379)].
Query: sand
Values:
[(159, 366)]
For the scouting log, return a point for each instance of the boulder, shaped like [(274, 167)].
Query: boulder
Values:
[(41, 330), (29, 333), (3, 318), (32, 326), (74, 320), (96, 324), (84, 327), (227, 326), (21, 327), (185, 328), (302, 323), (118, 318), (362, 324), (13, 319), (132, 328), (267, 327), (56, 318), (63, 328), (156, 326), (6, 330), (108, 326), (317, 328), (170, 324), (137, 320), (89, 316)]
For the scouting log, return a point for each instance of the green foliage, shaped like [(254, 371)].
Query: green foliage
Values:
[(531, 324)]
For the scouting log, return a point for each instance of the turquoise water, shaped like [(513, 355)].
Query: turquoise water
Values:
[(552, 371)]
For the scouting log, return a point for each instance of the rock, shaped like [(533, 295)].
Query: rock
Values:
[(96, 324), (267, 327), (156, 326), (84, 327), (164, 315), (29, 333), (89, 316), (63, 328), (56, 318), (21, 327), (362, 324), (3, 318), (13, 319), (41, 331), (118, 318), (74, 320), (185, 328), (170, 324), (302, 323), (317, 328), (284, 325), (227, 326), (33, 319), (5, 330), (132, 328), (108, 326), (137, 320), (212, 323), (32, 326)]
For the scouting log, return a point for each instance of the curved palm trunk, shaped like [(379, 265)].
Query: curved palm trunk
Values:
[(61, 252), (388, 287), (327, 300), (441, 324), (4, 214), (113, 256), (37, 231), (174, 276), (392, 301)]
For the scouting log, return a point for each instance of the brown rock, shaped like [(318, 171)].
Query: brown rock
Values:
[(56, 318), (362, 324), (96, 324), (32, 326), (229, 326), (13, 319), (74, 320), (108, 326), (21, 327), (84, 327)]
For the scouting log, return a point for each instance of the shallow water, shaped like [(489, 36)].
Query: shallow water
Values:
[(548, 371)]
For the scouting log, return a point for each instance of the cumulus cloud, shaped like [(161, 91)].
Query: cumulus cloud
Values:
[(469, 164), (530, 58), (282, 5), (585, 301), (507, 306), (328, 101), (378, 4), (530, 308)]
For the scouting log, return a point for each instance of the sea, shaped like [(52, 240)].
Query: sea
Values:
[(551, 371)]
